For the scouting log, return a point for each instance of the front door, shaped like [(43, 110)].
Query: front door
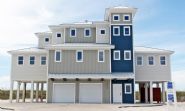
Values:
[(117, 93)]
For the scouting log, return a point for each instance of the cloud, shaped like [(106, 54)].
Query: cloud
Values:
[(178, 78), (5, 82)]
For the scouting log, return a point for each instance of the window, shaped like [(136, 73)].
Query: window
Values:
[(116, 31), (128, 88), (46, 39), (126, 31), (115, 17), (43, 60), (163, 60), (127, 55), (20, 60), (150, 60), (79, 56), (59, 35), (87, 32), (139, 60), (102, 31), (117, 55), (72, 32), (58, 56), (101, 56), (126, 17), (32, 60)]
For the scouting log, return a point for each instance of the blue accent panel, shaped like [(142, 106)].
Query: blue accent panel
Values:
[(127, 98), (122, 43)]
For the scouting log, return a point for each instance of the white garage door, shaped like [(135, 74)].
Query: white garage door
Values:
[(64, 92), (90, 93)]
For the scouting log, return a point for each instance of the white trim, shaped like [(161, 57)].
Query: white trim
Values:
[(103, 55), (125, 51), (114, 16), (101, 30), (71, 30), (141, 60), (121, 24), (59, 33), (85, 32), (130, 85), (77, 55), (33, 60), (128, 17), (124, 31), (160, 60), (110, 64), (64, 35), (64, 84), (18, 60), (41, 60), (148, 60), (60, 56), (114, 31), (115, 51)]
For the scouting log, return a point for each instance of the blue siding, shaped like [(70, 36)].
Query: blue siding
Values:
[(127, 98), (122, 43)]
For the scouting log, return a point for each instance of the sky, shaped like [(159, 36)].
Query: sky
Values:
[(157, 23)]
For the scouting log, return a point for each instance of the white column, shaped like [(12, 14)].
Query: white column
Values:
[(42, 87), (163, 92), (24, 92), (37, 91), (157, 85), (32, 89), (11, 91), (146, 92), (151, 92), (18, 91), (110, 91)]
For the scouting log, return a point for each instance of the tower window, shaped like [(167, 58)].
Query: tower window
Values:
[(115, 17), (126, 17)]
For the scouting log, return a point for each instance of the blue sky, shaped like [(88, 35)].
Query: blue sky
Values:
[(158, 23)]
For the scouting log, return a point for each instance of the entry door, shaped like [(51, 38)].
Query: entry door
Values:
[(117, 93)]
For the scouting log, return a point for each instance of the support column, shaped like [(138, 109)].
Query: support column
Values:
[(146, 92), (42, 87), (18, 91), (37, 92), (32, 90), (163, 92), (157, 85), (11, 91), (24, 92), (151, 92), (110, 91)]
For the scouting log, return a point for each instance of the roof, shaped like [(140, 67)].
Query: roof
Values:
[(28, 50), (93, 76), (142, 49)]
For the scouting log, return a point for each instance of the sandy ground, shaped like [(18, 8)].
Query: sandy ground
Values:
[(89, 107)]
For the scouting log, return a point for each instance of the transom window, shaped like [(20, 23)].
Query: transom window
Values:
[(87, 32), (139, 60), (163, 60), (43, 60), (58, 56), (32, 60), (126, 17), (79, 56), (102, 32), (101, 56), (116, 31), (151, 60), (126, 31), (73, 32), (128, 88), (127, 55), (116, 55), (115, 17), (59, 35), (20, 60), (46, 39)]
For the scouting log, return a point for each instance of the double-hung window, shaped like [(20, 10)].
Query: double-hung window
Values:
[(126, 17), (43, 60), (20, 60), (79, 56), (87, 32), (162, 60), (117, 55), (116, 31), (150, 60), (139, 60), (127, 55), (126, 31), (101, 55), (72, 32), (32, 60), (58, 56), (128, 88), (116, 17)]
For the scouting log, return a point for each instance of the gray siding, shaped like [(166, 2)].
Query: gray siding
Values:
[(55, 39), (90, 62), (157, 72), (80, 36), (121, 18), (41, 40), (102, 38), (105, 83)]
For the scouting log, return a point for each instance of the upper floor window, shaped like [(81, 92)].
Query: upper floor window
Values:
[(72, 32), (162, 60), (58, 56), (101, 56), (20, 60), (116, 18), (87, 32), (139, 60), (102, 31), (116, 55), (116, 31), (59, 35), (128, 88), (32, 60), (79, 56), (126, 17), (43, 60), (46, 39), (150, 60), (127, 55), (126, 31)]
